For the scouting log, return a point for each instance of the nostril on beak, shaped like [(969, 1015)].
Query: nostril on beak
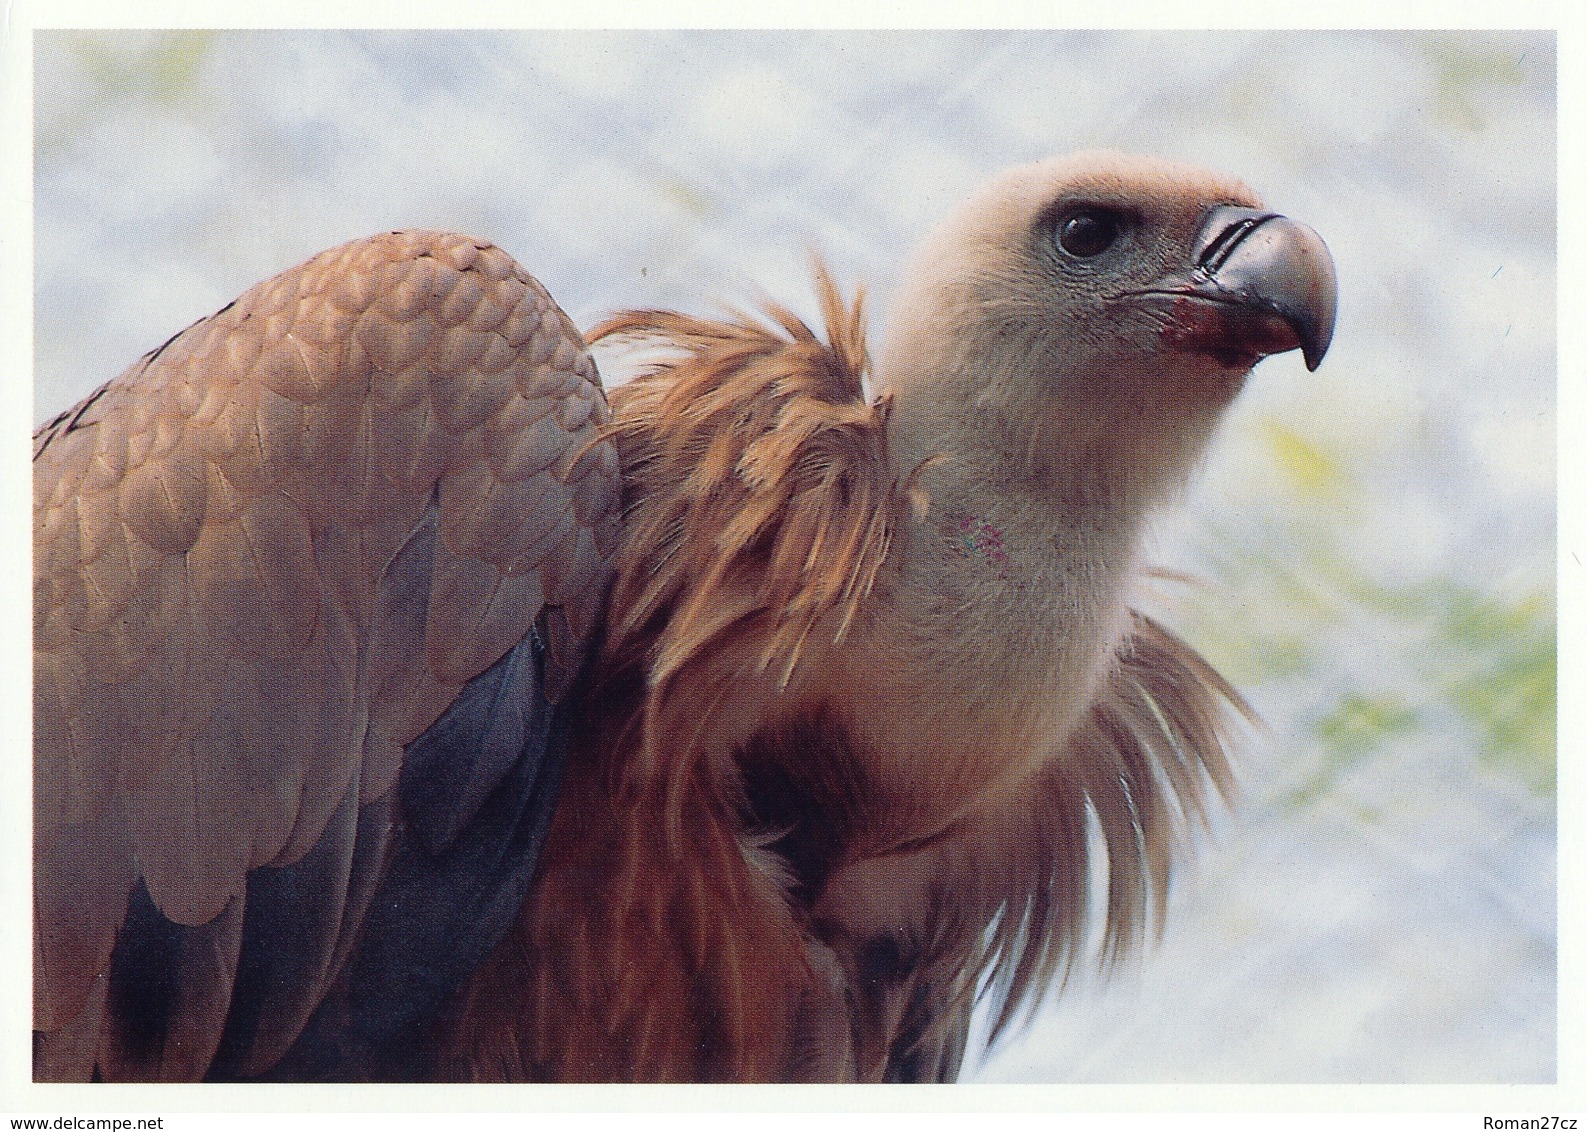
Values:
[(1222, 229)]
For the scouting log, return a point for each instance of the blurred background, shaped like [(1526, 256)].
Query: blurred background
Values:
[(1374, 542)]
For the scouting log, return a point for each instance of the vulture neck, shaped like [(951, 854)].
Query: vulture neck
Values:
[(1104, 463), (1009, 595)]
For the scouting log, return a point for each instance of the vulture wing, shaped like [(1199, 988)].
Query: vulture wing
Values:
[(312, 582)]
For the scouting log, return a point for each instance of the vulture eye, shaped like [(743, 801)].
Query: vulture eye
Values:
[(1089, 232)]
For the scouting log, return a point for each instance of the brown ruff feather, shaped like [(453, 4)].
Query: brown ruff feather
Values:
[(760, 504), (1141, 765)]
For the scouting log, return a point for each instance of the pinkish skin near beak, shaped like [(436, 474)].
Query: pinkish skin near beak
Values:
[(1261, 284)]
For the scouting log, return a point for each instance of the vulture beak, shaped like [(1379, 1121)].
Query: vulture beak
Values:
[(1259, 283)]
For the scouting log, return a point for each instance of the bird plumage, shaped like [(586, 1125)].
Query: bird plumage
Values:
[(317, 581)]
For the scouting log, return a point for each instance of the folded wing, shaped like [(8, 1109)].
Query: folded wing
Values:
[(312, 581)]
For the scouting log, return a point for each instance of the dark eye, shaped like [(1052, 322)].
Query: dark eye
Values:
[(1089, 232)]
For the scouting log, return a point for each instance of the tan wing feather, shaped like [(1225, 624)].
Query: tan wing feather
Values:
[(226, 632)]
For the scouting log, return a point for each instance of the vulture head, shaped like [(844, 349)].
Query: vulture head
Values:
[(1094, 313)]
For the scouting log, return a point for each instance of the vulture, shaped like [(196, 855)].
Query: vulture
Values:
[(409, 708)]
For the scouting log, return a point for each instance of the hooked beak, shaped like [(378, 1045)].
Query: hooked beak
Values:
[(1259, 284)]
